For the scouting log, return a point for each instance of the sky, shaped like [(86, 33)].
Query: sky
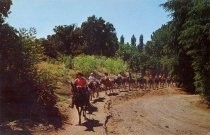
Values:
[(128, 16)]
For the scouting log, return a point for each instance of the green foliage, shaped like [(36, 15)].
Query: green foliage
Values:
[(4, 9), (139, 62), (168, 63), (162, 57), (125, 52), (122, 39), (136, 60), (32, 48), (133, 40), (115, 65), (190, 42), (68, 61), (21, 83), (194, 38), (11, 56), (94, 37), (50, 47), (141, 43), (87, 64), (69, 39), (182, 67), (45, 83), (57, 69), (100, 37)]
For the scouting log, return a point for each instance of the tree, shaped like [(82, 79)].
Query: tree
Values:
[(133, 40), (130, 55), (183, 69), (50, 46), (125, 52), (21, 84), (162, 57), (122, 40), (100, 37), (68, 39), (4, 9), (195, 40), (141, 43)]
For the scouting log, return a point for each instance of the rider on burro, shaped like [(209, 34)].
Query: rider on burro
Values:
[(81, 87)]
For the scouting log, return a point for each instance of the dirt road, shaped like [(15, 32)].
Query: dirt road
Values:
[(92, 126), (160, 112)]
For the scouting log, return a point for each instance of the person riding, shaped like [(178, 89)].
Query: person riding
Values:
[(119, 76), (93, 85), (92, 78), (81, 86), (80, 82), (119, 80)]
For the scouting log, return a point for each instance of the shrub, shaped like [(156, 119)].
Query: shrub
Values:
[(23, 88), (87, 64)]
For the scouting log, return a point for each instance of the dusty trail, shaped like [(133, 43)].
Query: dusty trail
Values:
[(95, 123), (170, 113), (160, 112)]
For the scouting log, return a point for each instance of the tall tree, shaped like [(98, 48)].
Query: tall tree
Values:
[(195, 40), (161, 57), (50, 46), (122, 40), (141, 43), (179, 9), (68, 39), (100, 36), (133, 40)]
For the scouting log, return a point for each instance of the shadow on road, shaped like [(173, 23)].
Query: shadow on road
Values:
[(9, 131), (113, 94), (92, 109), (100, 99), (91, 123), (124, 91)]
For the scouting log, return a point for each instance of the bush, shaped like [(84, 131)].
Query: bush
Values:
[(68, 61), (57, 70), (23, 88), (115, 65), (87, 64), (45, 84)]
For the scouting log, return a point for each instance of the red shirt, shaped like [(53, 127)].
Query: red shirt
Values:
[(81, 82)]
